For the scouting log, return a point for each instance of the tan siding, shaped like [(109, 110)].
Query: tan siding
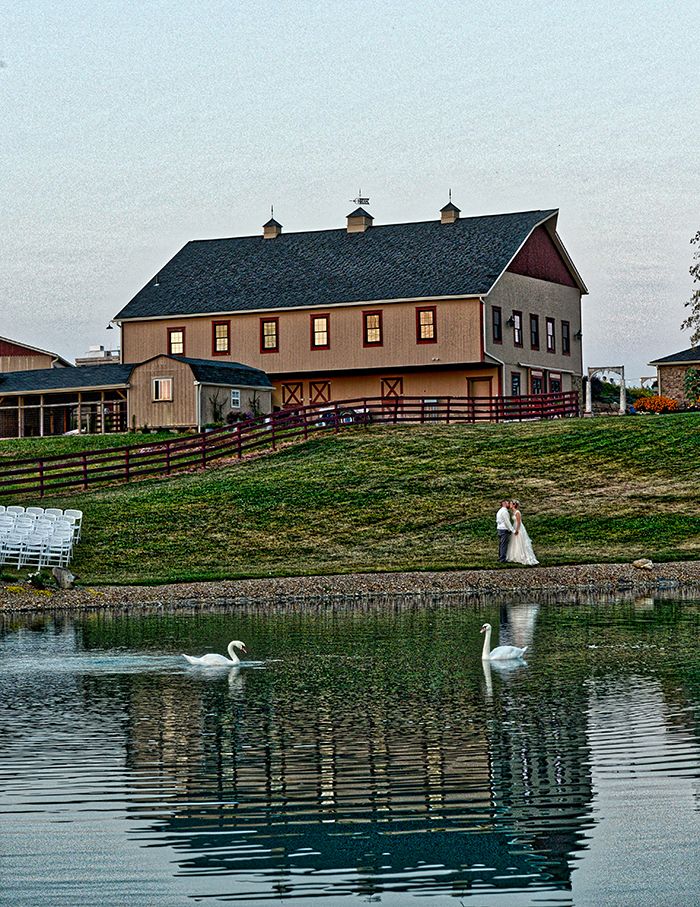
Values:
[(181, 412), (458, 338), (24, 363)]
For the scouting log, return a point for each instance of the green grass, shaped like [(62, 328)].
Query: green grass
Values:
[(405, 498)]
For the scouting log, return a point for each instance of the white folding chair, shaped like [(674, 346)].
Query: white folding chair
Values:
[(2, 508), (36, 511), (15, 508), (53, 510), (58, 550), (12, 547), (33, 550), (77, 517)]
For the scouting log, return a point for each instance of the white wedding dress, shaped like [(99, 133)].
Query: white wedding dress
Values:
[(520, 547)]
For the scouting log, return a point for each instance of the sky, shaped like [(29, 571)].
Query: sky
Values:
[(129, 128)]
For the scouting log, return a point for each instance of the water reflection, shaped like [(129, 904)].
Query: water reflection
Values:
[(367, 754)]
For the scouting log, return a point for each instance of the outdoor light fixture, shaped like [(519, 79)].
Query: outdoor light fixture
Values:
[(578, 335), (511, 322)]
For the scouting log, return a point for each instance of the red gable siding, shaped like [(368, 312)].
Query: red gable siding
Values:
[(14, 349), (539, 258)]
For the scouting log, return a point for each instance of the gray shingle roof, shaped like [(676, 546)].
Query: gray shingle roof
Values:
[(691, 355), (233, 373), (332, 267), (44, 380)]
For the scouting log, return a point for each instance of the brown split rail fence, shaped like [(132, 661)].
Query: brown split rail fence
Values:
[(64, 472)]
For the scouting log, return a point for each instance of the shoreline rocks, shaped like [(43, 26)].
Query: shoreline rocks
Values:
[(358, 590)]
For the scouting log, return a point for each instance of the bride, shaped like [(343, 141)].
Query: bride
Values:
[(520, 547)]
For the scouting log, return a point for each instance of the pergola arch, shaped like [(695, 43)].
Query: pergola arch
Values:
[(618, 370)]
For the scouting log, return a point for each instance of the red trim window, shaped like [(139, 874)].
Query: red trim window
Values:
[(220, 338), (536, 382), (319, 392), (392, 387), (554, 383), (320, 332), (269, 335), (426, 325), (534, 332), (176, 341), (566, 338), (551, 340), (497, 324), (515, 386), (372, 325), (517, 328), (293, 393)]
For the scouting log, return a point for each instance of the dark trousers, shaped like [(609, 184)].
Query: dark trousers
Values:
[(503, 539)]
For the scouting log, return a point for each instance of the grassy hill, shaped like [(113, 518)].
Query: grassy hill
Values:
[(404, 498)]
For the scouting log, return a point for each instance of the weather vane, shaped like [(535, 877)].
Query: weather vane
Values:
[(360, 200)]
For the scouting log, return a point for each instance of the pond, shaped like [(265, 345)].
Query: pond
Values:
[(357, 756)]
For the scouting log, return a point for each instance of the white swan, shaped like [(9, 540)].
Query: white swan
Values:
[(500, 653), (212, 658)]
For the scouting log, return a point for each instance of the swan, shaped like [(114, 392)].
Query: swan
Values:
[(500, 653), (213, 658)]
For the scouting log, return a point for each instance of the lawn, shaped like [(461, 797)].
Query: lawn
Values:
[(403, 498)]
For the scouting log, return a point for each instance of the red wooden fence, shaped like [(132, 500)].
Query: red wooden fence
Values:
[(62, 472)]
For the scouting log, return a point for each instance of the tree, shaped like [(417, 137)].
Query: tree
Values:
[(692, 322)]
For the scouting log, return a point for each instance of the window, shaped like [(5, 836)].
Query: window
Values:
[(426, 325), (515, 390), (221, 338), (293, 394), (320, 332), (176, 341), (554, 383), (269, 335), (518, 328), (551, 342), (497, 324), (535, 332), (319, 392), (372, 328), (537, 382), (565, 338), (162, 389), (392, 387), (235, 399)]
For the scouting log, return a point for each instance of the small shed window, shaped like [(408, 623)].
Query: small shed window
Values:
[(235, 399), (162, 389)]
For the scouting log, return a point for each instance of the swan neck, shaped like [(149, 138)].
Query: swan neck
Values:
[(232, 654), (487, 644)]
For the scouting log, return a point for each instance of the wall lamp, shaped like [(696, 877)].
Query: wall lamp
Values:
[(578, 335), (511, 322)]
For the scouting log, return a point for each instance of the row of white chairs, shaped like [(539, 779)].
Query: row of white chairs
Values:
[(34, 537), (17, 511)]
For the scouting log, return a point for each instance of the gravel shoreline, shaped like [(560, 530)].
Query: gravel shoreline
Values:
[(568, 582)]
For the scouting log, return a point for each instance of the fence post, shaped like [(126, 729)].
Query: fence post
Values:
[(204, 448), (336, 419), (305, 417), (272, 431), (127, 475), (85, 475), (240, 445), (41, 478), (447, 411), (167, 457)]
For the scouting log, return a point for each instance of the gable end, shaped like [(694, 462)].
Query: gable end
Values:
[(540, 258)]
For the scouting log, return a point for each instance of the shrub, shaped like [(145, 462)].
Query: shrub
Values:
[(656, 405)]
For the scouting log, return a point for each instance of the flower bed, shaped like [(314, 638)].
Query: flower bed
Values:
[(656, 405)]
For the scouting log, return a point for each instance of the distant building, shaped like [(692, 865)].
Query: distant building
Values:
[(474, 306), (19, 357), (163, 392), (98, 355), (671, 371)]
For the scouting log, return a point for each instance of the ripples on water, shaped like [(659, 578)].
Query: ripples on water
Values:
[(362, 755)]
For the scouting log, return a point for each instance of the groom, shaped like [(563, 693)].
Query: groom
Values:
[(504, 527)]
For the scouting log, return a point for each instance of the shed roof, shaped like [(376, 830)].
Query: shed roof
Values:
[(212, 371), (684, 357), (43, 380), (333, 267)]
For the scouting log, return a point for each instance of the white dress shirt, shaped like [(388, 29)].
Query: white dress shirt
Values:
[(503, 520)]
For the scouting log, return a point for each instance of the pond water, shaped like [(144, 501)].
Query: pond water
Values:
[(357, 756)]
